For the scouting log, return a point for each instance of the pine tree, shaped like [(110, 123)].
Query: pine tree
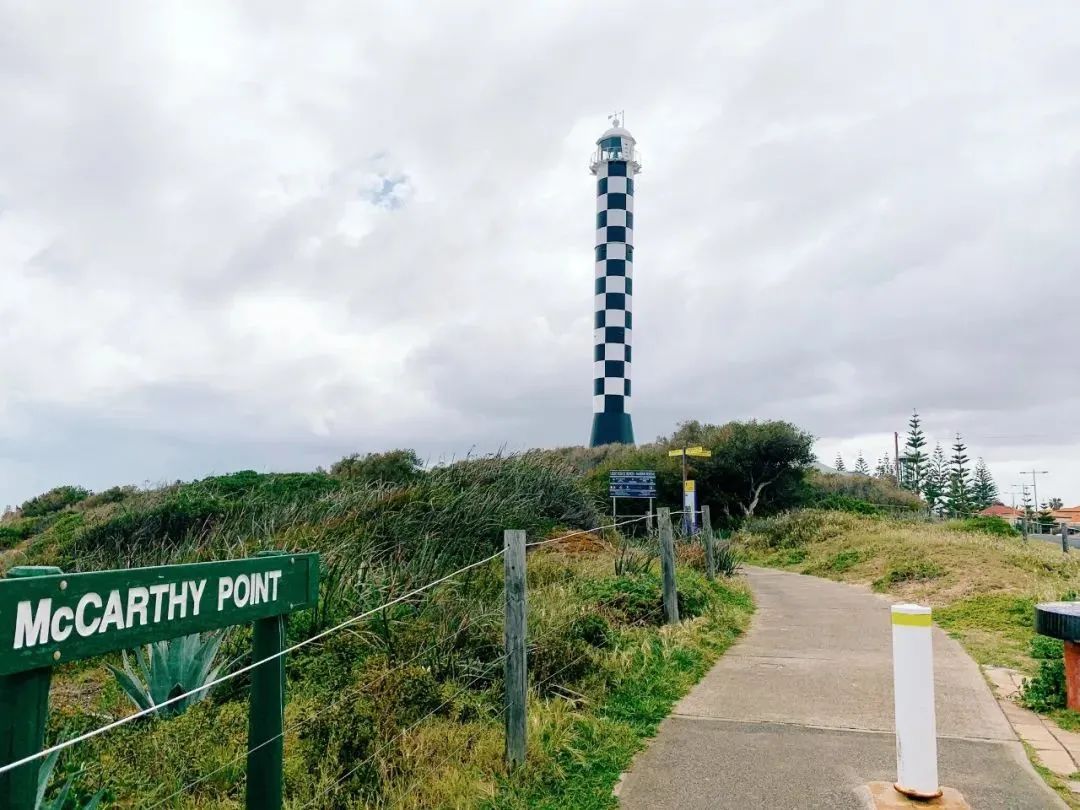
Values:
[(983, 489), (1028, 507), (959, 480), (1046, 520), (861, 466), (915, 463), (883, 469), (935, 479), (839, 463)]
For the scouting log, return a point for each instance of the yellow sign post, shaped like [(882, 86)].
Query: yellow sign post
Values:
[(689, 496)]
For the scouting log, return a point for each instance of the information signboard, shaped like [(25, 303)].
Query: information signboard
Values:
[(690, 507), (632, 484), (63, 617)]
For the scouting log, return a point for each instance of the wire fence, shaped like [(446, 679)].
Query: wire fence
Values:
[(354, 691)]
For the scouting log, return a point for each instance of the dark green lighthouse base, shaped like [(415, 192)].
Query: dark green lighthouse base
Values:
[(611, 428)]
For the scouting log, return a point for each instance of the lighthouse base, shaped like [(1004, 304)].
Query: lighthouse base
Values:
[(611, 428)]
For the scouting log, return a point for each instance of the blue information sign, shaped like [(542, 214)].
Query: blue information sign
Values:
[(632, 484)]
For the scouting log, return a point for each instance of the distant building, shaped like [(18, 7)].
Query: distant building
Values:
[(1069, 514), (1007, 513)]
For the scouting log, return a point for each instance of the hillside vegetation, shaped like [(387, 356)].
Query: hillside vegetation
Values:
[(403, 708)]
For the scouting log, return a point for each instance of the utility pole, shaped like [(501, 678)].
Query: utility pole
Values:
[(1034, 486), (896, 455)]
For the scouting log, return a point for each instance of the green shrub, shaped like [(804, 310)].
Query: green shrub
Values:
[(984, 524), (107, 496), (628, 600), (1046, 691), (909, 571), (796, 529), (873, 491), (693, 597), (846, 503), (593, 630), (54, 500), (267, 489), (147, 534), (15, 531), (394, 467), (792, 556), (1044, 647), (843, 560)]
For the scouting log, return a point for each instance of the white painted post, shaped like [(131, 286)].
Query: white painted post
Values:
[(913, 689)]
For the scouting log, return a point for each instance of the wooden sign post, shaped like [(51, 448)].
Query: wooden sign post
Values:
[(48, 617)]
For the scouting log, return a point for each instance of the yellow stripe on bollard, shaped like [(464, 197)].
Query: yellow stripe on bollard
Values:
[(912, 619)]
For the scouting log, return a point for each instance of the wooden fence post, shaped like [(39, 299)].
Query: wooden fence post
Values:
[(710, 550), (266, 713), (515, 635), (667, 565), (24, 713), (1065, 537)]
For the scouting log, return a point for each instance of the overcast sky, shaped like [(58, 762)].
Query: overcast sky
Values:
[(267, 235)]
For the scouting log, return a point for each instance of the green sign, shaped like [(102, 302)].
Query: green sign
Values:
[(49, 619)]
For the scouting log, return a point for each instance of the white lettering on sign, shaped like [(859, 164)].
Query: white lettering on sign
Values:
[(248, 589), (158, 591), (81, 627), (138, 606), (32, 628)]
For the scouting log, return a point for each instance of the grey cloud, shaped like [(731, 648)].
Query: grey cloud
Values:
[(265, 236)]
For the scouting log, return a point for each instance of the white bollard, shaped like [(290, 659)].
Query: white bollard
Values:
[(913, 688)]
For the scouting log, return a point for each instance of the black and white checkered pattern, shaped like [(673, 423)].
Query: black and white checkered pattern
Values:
[(613, 324)]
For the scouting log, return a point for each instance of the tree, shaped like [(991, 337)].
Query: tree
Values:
[(960, 501), (983, 489), (936, 479), (754, 465), (861, 466), (1046, 520), (1028, 506), (1056, 503), (839, 463), (884, 469), (914, 458)]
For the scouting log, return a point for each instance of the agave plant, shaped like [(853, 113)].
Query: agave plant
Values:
[(58, 802), (171, 668)]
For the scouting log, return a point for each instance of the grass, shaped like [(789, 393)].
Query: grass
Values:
[(380, 716), (983, 585), (651, 673)]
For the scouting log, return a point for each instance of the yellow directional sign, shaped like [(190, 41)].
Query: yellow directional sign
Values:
[(688, 487), (698, 452)]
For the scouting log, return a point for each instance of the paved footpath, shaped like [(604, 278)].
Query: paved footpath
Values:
[(799, 714)]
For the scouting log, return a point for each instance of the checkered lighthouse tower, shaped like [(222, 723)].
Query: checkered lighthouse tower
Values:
[(614, 163)]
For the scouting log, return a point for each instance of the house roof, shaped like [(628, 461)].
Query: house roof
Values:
[(1001, 510)]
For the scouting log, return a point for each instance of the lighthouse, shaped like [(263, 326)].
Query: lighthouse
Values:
[(614, 163)]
